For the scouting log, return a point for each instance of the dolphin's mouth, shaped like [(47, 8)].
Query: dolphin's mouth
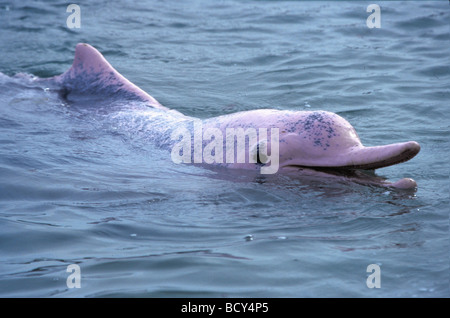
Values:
[(335, 171), (365, 177)]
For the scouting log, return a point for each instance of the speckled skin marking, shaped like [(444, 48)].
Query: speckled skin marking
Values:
[(314, 139)]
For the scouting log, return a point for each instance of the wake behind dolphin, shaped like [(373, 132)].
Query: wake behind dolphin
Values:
[(269, 140)]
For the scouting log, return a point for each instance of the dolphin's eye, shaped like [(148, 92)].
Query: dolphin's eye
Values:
[(258, 159), (261, 156)]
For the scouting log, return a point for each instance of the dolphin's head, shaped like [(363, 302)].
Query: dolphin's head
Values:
[(316, 139)]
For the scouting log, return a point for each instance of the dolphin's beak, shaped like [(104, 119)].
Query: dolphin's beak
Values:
[(369, 158), (361, 157)]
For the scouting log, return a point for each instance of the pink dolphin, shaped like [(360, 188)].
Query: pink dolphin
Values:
[(308, 142)]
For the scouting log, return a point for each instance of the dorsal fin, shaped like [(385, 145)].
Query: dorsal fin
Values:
[(91, 73)]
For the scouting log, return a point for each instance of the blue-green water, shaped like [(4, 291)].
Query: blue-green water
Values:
[(137, 224)]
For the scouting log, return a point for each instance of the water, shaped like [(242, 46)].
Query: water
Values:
[(73, 192)]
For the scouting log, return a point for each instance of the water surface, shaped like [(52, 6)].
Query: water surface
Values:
[(73, 191)]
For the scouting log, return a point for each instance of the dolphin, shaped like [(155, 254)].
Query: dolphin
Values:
[(296, 142)]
